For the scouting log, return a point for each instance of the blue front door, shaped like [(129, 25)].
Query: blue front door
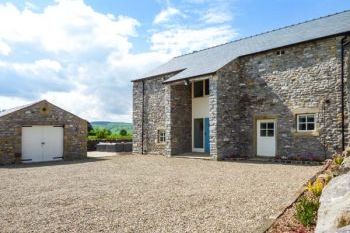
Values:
[(206, 135)]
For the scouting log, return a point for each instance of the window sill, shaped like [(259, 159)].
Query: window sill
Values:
[(306, 134)]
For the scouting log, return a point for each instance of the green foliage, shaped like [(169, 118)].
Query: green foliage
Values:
[(338, 159), (316, 187), (101, 133), (123, 132), (114, 127), (306, 210), (110, 131)]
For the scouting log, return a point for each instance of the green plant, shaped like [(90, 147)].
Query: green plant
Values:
[(102, 133), (316, 187), (338, 159), (306, 210), (123, 132)]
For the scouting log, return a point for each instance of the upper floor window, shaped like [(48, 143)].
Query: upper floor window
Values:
[(306, 122), (201, 88)]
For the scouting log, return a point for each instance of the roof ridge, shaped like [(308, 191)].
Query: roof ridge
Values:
[(262, 33)]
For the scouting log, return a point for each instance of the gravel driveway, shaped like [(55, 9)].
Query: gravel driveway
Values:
[(131, 193)]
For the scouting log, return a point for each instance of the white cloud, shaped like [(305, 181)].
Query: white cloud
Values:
[(166, 14), (64, 53), (81, 59), (182, 40), (36, 68), (5, 49), (68, 26), (216, 16)]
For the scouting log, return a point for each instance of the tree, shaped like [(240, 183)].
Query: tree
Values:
[(123, 132), (102, 133)]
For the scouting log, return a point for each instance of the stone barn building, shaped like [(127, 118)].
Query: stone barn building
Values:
[(41, 132), (283, 93)]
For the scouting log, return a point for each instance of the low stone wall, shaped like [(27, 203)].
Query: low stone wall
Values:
[(114, 147)]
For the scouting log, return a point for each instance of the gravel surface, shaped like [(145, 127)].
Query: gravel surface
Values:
[(134, 193)]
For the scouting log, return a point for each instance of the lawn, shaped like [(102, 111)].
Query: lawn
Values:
[(131, 193)]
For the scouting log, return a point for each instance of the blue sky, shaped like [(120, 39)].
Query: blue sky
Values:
[(81, 55)]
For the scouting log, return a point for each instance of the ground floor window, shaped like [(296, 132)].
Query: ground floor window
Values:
[(306, 122), (161, 135)]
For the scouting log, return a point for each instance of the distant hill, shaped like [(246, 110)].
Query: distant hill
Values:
[(115, 127)]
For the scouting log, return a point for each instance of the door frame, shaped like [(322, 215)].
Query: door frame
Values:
[(255, 133)]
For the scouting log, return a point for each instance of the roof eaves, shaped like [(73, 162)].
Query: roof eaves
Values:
[(158, 75)]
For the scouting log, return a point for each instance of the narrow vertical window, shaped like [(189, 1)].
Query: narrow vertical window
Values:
[(198, 88), (161, 136), (206, 86)]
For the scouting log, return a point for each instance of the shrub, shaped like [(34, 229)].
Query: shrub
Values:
[(102, 133), (338, 159), (306, 210), (123, 132), (316, 187)]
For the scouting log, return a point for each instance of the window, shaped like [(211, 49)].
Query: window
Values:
[(201, 88), (280, 52), (267, 129), (306, 122), (206, 86), (198, 89), (161, 136)]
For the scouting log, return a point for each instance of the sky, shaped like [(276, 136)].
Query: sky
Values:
[(82, 54)]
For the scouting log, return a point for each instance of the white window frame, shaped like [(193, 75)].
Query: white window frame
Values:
[(306, 122), (161, 135)]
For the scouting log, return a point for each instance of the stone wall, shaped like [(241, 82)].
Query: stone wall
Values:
[(178, 119), (267, 85), (153, 115), (75, 131)]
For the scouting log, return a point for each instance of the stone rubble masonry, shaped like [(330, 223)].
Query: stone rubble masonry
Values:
[(75, 131), (267, 85), (178, 119), (153, 115), (258, 86)]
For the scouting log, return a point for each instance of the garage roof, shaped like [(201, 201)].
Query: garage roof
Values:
[(11, 110), (212, 59)]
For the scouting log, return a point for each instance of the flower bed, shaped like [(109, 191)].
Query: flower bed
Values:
[(301, 215)]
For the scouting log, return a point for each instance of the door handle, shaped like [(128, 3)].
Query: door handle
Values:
[(43, 143)]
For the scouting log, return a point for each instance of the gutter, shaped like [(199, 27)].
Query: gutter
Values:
[(342, 51), (142, 114)]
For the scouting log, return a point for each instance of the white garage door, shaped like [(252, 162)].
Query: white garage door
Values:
[(42, 143)]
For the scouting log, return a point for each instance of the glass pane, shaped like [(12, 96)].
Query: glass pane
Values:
[(263, 125), (198, 133), (302, 119), (310, 126), (198, 89), (206, 83), (270, 125), (302, 126), (263, 133), (270, 133), (311, 119)]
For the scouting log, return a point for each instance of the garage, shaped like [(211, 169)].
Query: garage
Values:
[(41, 132)]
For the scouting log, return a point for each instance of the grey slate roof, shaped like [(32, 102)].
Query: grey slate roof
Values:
[(15, 109), (212, 59)]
